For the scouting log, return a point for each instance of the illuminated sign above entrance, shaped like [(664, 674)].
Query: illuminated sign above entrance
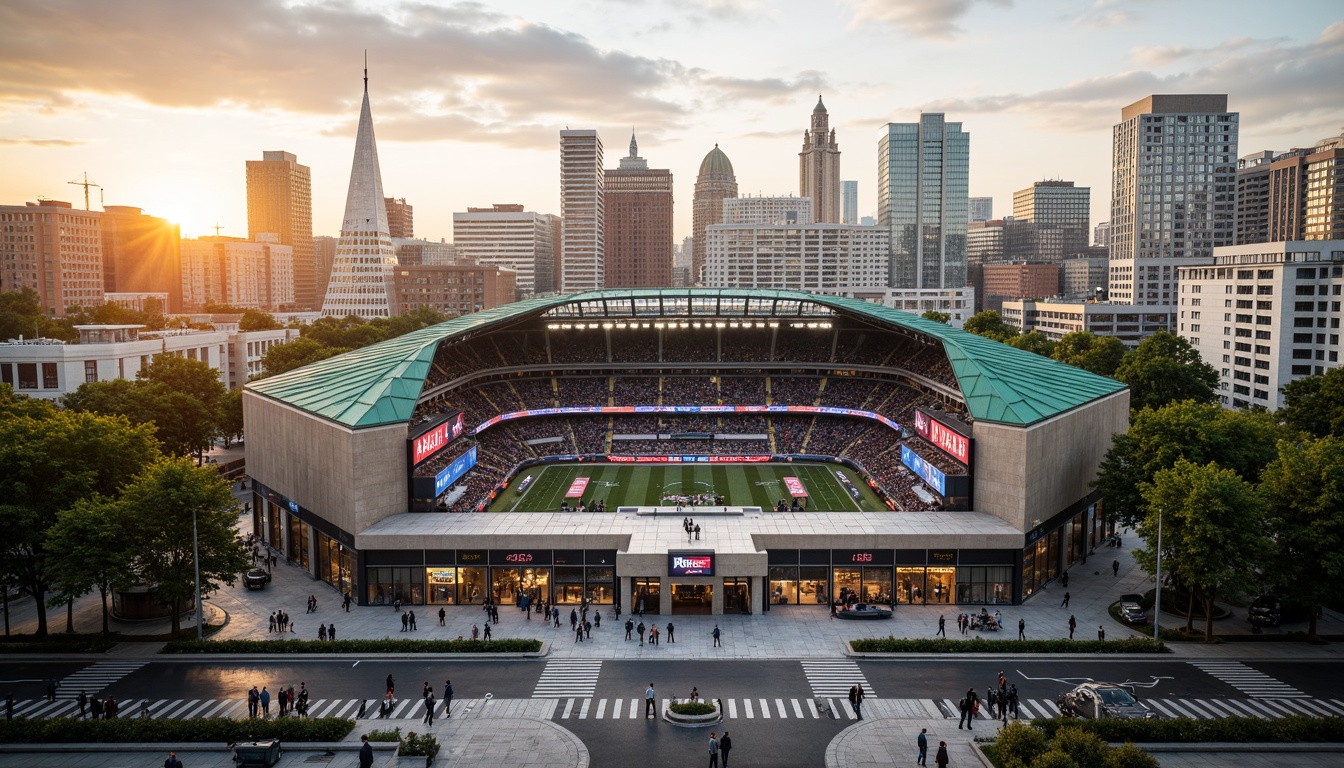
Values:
[(690, 563)]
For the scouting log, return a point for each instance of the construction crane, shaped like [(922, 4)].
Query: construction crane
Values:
[(85, 184)]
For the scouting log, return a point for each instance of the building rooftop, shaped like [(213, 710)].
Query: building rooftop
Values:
[(380, 384)]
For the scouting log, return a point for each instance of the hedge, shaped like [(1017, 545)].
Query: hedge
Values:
[(692, 708), (1294, 728), (505, 645), (58, 643), (223, 730), (980, 645)]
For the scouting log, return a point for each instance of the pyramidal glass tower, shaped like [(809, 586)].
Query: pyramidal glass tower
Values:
[(361, 275)]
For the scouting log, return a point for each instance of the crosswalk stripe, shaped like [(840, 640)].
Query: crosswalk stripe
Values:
[(400, 711), (634, 708), (1247, 679), (848, 710), (616, 705), (732, 708), (196, 712), (1195, 708), (1329, 708), (1170, 710), (569, 707), (583, 711), (812, 707), (765, 709), (797, 709), (746, 707), (601, 709), (179, 708)]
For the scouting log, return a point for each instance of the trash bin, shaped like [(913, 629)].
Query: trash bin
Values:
[(258, 753)]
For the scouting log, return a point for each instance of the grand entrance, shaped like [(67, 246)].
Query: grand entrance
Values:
[(693, 599)]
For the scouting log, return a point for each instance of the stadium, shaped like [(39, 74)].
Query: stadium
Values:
[(828, 448)]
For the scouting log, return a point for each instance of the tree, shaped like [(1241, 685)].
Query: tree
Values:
[(1213, 531), (1033, 342), (47, 464), (256, 320), (1315, 405), (1304, 491), (161, 503), (990, 325), (1166, 369), (21, 315), (936, 316), (91, 547), (16, 405), (1097, 354), (283, 358), (1242, 441), (231, 416)]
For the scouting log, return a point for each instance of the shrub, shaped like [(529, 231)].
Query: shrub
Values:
[(1019, 741), (1057, 758), (223, 730), (1295, 728), (692, 708), (416, 745), (1084, 747), (981, 645), (1130, 756), (57, 643), (506, 645), (384, 736)]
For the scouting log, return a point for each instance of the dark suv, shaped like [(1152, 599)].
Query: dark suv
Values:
[(1266, 611), (257, 578)]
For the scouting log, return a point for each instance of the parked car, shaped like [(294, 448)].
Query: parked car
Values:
[(1132, 612), (1097, 701), (257, 578)]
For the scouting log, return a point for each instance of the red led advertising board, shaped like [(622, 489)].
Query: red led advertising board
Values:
[(943, 437), (690, 563), (431, 442)]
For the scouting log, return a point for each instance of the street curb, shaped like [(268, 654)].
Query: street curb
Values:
[(201, 746), (545, 650), (1227, 746)]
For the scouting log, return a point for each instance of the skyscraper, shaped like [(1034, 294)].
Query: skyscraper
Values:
[(638, 224), (849, 202), (923, 194), (280, 200), (1295, 195), (1173, 191), (582, 208), (141, 254), (361, 275), (508, 237), (1057, 205), (54, 249), (982, 208), (819, 167), (713, 183), (400, 217)]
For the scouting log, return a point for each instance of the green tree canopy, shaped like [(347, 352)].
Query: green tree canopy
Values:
[(936, 316), (1242, 441), (1033, 342), (1213, 531), (1304, 491), (231, 416), (256, 320), (1315, 405), (283, 358), (990, 325), (109, 313), (161, 503), (1166, 369), (21, 314), (91, 547), (1097, 354)]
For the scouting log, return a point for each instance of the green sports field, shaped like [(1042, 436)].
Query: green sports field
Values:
[(758, 485)]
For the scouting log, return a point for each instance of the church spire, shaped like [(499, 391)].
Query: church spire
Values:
[(634, 146), (366, 72)]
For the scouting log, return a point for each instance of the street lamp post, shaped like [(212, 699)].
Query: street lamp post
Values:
[(1157, 600), (196, 556)]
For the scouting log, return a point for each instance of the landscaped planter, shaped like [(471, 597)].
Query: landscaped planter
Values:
[(695, 721)]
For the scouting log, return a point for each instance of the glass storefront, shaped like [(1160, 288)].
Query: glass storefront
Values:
[(877, 585), (471, 586), (911, 585), (387, 585), (846, 583), (648, 595), (693, 599), (1040, 563), (783, 585), (601, 585), (335, 564), (569, 584), (508, 583), (442, 585), (298, 542), (939, 581), (985, 585), (273, 517), (736, 595), (812, 585), (794, 585)]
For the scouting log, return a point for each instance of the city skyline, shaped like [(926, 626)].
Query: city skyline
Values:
[(472, 99)]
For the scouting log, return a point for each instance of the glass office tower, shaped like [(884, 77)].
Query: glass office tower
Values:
[(923, 199)]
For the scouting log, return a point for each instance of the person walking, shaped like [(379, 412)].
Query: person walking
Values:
[(429, 708), (265, 699), (713, 752), (413, 627), (365, 753), (716, 633), (725, 745), (1101, 632), (405, 622), (671, 638), (1073, 624), (648, 702), (331, 631), (1021, 629), (83, 703), (1065, 604), (322, 632), (442, 615), (1012, 700), (942, 627), (476, 632), (856, 700), (964, 706), (940, 759), (922, 742), (640, 630), (697, 531), (629, 627), (172, 761), (1115, 568), (653, 635), (447, 698), (487, 631)]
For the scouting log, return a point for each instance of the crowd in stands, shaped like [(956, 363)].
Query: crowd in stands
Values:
[(748, 346), (741, 390), (582, 390), (804, 346), (634, 346), (847, 393), (590, 434), (689, 390), (690, 345), (635, 390), (793, 390), (706, 447)]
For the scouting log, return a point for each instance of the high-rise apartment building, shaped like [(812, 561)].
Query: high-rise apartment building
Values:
[(1296, 195), (280, 200), (639, 224), (713, 183), (141, 254), (1060, 206), (849, 202), (55, 250), (247, 274), (508, 237), (400, 218), (1101, 235), (548, 271), (807, 257), (819, 167), (583, 210), (1173, 191), (923, 173), (1252, 221), (767, 210), (982, 208), (1264, 315), (361, 275)]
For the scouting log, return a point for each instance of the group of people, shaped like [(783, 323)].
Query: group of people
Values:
[(292, 703), (408, 621), (1000, 700), (690, 526), (279, 622)]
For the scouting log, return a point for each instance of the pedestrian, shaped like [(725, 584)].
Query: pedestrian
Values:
[(1115, 568), (172, 761), (713, 752), (1064, 580), (265, 698), (429, 708), (856, 700), (95, 707), (1101, 632), (413, 627), (442, 615), (629, 627), (942, 627), (697, 531), (447, 698), (671, 638), (922, 741), (9, 707), (83, 703), (648, 702), (476, 632), (487, 631), (725, 745), (425, 690), (331, 631), (578, 634), (1021, 629), (144, 709), (345, 602), (1073, 624), (270, 624), (716, 634), (322, 632), (964, 706), (405, 622), (396, 605), (990, 700), (940, 759), (253, 701), (110, 709), (391, 687), (1012, 699), (640, 630), (588, 630), (1065, 604), (365, 753)]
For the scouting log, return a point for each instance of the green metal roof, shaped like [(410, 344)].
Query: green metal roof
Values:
[(380, 384)]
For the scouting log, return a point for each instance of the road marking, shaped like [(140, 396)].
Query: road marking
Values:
[(96, 677), (634, 708), (601, 709), (834, 677), (568, 677), (1248, 680), (569, 707), (797, 710), (732, 708), (765, 709), (746, 707), (583, 710), (812, 706)]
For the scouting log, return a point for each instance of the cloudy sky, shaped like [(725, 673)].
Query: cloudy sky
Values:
[(163, 102)]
